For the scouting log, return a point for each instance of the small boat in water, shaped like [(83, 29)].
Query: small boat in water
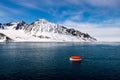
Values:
[(75, 58)]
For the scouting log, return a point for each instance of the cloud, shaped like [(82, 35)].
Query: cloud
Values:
[(74, 9), (8, 11), (4, 19), (2, 13), (98, 31), (47, 6), (38, 4), (26, 3), (76, 17), (104, 3), (111, 21)]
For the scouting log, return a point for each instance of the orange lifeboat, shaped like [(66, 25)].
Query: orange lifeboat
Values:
[(75, 58)]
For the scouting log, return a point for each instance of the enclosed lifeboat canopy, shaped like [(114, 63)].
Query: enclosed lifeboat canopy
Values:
[(75, 58)]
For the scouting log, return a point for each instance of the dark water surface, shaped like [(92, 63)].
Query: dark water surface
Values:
[(50, 61)]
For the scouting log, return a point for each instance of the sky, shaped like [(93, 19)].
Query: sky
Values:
[(99, 18)]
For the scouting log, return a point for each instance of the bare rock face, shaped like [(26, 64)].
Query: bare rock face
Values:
[(1, 26)]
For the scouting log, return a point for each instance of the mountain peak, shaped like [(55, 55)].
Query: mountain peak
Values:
[(42, 20), (21, 21)]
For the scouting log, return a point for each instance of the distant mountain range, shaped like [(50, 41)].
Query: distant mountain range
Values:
[(41, 31)]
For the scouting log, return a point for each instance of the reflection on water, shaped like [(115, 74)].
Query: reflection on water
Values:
[(75, 62)]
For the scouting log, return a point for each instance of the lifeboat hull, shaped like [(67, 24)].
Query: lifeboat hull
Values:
[(75, 58)]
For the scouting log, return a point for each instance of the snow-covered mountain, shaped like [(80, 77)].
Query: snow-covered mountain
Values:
[(41, 31), (13, 25)]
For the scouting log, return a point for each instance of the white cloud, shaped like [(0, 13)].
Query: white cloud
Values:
[(42, 5), (77, 17), (4, 19), (75, 2), (26, 3), (2, 13), (104, 3), (98, 31), (7, 10), (70, 8)]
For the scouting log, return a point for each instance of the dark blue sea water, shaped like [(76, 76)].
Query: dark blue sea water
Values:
[(50, 61)]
